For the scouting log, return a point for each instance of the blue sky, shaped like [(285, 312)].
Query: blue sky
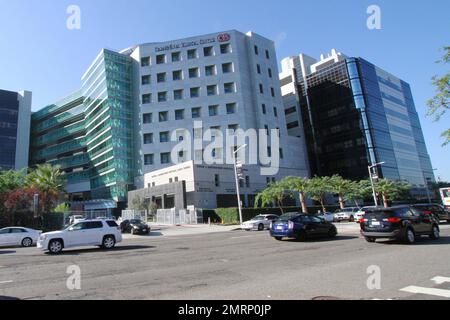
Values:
[(38, 52)]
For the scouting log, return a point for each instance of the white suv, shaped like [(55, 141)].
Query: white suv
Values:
[(102, 233)]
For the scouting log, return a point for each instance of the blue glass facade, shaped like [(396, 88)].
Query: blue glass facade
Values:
[(9, 113)]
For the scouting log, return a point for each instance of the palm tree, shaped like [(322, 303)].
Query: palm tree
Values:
[(318, 188), (345, 189), (299, 185), (274, 193), (390, 190), (50, 182)]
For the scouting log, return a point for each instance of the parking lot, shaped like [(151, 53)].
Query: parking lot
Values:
[(227, 264)]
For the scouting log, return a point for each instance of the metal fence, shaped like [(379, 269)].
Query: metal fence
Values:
[(175, 217), (134, 214)]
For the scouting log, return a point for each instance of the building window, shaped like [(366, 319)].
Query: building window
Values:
[(270, 72), (225, 48), (164, 136), (165, 158), (275, 112), (145, 80), (272, 92), (258, 68), (192, 54), (213, 111), (196, 112), (266, 127), (264, 109), (261, 89), (227, 67), (233, 127), (160, 59), (147, 118), (231, 108), (269, 151), (247, 181), (217, 180), (256, 50), (290, 110), (281, 153), (292, 125), (148, 138), (179, 114), (177, 75), (161, 77), (229, 87), (211, 90), (178, 94), (145, 61), (146, 98), (268, 181), (194, 73), (267, 54), (176, 56), (162, 96), (210, 70), (176, 179), (163, 116), (148, 159), (208, 51), (195, 92)]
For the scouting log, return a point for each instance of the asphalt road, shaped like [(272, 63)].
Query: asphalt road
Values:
[(233, 265)]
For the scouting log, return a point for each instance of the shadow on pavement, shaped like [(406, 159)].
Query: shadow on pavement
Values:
[(338, 238), (116, 249), (7, 251), (4, 298), (421, 241)]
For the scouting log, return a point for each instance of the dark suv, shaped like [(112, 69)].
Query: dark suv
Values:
[(402, 223)]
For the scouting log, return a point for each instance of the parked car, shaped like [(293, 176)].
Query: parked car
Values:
[(260, 222), (134, 226), (327, 216), (18, 236), (347, 214), (301, 227), (102, 233), (401, 223), (438, 210)]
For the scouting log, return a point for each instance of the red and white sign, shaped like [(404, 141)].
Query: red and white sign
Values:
[(223, 37)]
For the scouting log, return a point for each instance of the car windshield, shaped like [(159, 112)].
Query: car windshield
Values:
[(136, 221), (258, 218), (288, 216)]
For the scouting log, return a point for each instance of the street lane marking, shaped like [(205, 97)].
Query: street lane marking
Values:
[(5, 282), (440, 280), (427, 291)]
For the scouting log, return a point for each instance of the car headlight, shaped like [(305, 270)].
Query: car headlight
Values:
[(43, 237)]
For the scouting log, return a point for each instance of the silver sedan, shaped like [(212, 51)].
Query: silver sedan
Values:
[(260, 222), (18, 236)]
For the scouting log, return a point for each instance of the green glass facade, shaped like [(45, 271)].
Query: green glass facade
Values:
[(90, 133)]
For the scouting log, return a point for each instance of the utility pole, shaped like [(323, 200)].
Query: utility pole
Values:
[(371, 175), (238, 176)]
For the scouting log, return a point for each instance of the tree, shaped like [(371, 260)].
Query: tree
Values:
[(391, 190), (276, 192), (345, 189), (12, 180), (299, 185), (318, 188), (50, 182), (440, 103)]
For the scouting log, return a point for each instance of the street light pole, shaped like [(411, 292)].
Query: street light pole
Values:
[(237, 182), (375, 198)]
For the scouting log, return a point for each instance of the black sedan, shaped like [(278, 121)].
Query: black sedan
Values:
[(134, 226), (301, 227)]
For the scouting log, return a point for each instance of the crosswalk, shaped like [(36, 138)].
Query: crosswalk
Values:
[(437, 292)]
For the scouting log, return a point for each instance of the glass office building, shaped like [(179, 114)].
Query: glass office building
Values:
[(15, 110), (355, 114), (89, 134)]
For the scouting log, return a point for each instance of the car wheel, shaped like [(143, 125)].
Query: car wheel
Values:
[(371, 240), (410, 236), (435, 233), (108, 242), (278, 238), (55, 246), (27, 242), (332, 233), (260, 227), (352, 219), (301, 236)]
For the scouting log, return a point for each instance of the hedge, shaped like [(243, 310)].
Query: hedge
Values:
[(231, 215)]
